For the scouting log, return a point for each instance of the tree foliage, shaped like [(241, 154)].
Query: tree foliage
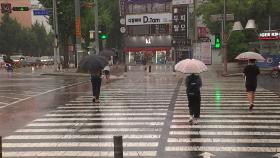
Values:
[(259, 10), (15, 39), (108, 10)]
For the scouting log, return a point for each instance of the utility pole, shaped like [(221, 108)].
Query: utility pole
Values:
[(78, 31), (225, 38), (96, 27), (56, 39)]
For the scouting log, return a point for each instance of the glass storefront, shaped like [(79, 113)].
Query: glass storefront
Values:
[(153, 57)]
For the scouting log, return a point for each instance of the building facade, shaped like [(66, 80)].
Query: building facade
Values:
[(22, 17), (147, 29)]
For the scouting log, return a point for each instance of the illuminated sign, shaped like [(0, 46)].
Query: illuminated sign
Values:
[(146, 19), (269, 36), (148, 41)]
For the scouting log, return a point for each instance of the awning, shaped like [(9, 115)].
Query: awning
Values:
[(147, 49)]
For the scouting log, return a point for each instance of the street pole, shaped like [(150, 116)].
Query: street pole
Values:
[(56, 45), (225, 38), (96, 27), (78, 31), (195, 28)]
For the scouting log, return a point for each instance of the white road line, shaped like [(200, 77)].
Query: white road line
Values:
[(108, 110), (77, 153), (231, 104), (78, 144), (221, 140), (3, 103), (228, 121), (222, 149), (109, 107), (230, 108), (92, 124), (107, 114), (91, 130), (270, 116), (229, 101), (64, 137), (49, 91), (224, 133), (225, 126), (9, 97), (132, 118), (116, 103), (226, 111)]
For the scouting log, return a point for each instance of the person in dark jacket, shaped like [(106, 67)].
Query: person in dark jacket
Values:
[(96, 81), (193, 83), (251, 71)]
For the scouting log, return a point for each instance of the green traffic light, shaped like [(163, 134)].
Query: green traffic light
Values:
[(103, 36), (217, 42), (20, 8)]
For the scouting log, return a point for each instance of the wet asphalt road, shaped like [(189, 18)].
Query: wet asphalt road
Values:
[(148, 110)]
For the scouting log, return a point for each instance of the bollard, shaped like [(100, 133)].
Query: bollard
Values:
[(150, 68), (118, 147), (125, 68), (0, 146)]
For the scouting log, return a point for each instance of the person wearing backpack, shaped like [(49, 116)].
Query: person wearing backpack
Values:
[(193, 83)]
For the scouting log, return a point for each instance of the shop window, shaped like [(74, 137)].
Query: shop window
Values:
[(160, 29), (138, 30)]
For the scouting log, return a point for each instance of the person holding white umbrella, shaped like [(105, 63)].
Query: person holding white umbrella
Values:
[(193, 84)]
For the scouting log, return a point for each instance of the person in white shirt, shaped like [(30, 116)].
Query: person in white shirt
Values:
[(106, 71)]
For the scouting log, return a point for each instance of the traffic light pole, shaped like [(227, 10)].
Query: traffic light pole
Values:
[(78, 31), (224, 34), (56, 45), (96, 26)]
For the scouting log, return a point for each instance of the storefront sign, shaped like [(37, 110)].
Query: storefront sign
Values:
[(122, 6), (146, 19), (148, 41), (180, 2), (269, 36)]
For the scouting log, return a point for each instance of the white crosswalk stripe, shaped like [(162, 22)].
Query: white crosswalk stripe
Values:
[(81, 128), (226, 124)]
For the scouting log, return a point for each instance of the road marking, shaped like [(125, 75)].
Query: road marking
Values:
[(9, 97), (222, 149), (132, 118), (106, 114), (230, 108), (95, 124), (110, 107), (223, 133), (108, 110), (3, 103), (227, 121), (90, 130), (63, 137), (78, 144), (231, 116), (49, 91), (221, 140), (114, 103), (225, 126), (77, 153)]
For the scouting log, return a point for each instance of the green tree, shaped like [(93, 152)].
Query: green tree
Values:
[(9, 35), (243, 11)]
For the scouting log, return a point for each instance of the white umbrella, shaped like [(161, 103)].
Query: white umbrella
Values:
[(250, 55), (190, 66)]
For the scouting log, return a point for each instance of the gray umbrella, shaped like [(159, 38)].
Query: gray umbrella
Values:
[(92, 63), (108, 52)]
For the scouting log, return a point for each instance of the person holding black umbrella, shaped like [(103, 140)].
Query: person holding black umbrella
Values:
[(94, 64), (96, 81)]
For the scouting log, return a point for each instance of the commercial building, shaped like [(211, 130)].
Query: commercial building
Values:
[(147, 30)]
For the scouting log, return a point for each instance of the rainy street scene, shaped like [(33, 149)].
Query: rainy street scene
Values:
[(139, 79)]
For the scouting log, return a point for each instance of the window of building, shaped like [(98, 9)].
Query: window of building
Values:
[(138, 30), (160, 29), (134, 8)]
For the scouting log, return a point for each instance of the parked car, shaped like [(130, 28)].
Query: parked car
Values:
[(33, 61), (47, 60)]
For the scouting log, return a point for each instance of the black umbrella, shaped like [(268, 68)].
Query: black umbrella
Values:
[(108, 52), (92, 63)]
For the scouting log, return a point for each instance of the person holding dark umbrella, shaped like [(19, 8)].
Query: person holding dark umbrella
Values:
[(251, 71), (94, 64)]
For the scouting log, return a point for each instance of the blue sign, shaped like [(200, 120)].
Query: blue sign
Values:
[(41, 12), (270, 61)]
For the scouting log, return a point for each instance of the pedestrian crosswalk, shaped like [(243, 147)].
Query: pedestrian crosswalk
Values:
[(227, 128), (80, 128), (150, 112)]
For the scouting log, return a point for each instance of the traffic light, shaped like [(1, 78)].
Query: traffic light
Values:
[(20, 8), (6, 8), (103, 35), (217, 41)]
